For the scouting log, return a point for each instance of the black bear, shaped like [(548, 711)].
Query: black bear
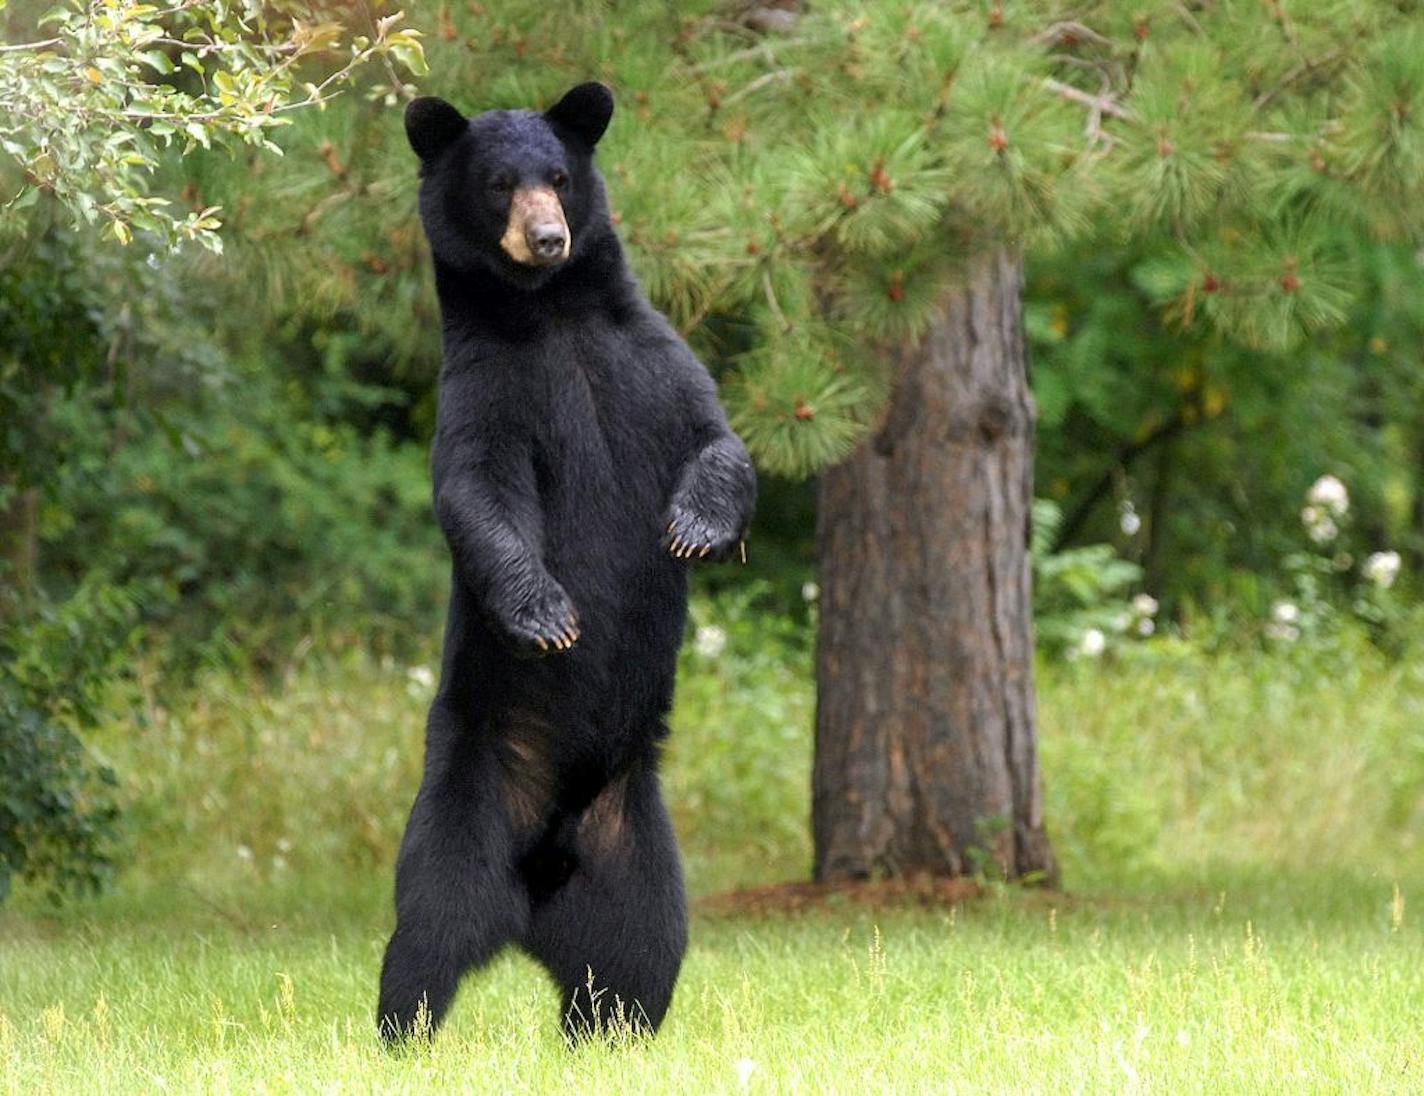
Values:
[(580, 460)]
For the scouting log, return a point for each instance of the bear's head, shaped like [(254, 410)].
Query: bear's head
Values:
[(512, 191)]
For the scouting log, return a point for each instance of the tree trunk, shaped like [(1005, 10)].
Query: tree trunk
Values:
[(926, 745)]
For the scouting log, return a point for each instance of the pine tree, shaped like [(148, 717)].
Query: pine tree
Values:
[(852, 188)]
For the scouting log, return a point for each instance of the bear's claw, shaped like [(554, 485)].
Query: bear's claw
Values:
[(691, 536), (531, 627)]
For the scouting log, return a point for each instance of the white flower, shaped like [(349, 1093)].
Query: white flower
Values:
[(1144, 605), (244, 853), (1287, 633), (810, 591), (421, 675), (1319, 524), (1093, 643), (1128, 521), (710, 641), (1330, 493), (1382, 568), (745, 1067), (1285, 612), (1146, 626)]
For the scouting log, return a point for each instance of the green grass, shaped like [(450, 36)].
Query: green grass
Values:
[(1278, 988), (1240, 837)]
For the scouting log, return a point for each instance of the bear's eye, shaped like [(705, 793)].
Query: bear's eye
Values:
[(501, 184), (560, 180)]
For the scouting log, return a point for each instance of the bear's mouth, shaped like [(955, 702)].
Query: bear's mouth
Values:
[(537, 233)]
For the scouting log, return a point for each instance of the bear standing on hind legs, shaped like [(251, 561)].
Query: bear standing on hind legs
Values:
[(580, 460)]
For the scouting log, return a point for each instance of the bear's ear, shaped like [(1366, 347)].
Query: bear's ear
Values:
[(584, 112), (431, 124)]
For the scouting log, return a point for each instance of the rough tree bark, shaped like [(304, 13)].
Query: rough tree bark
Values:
[(926, 744)]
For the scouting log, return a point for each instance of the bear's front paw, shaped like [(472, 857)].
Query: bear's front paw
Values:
[(691, 535), (543, 621)]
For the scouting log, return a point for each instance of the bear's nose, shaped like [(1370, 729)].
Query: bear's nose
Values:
[(547, 241)]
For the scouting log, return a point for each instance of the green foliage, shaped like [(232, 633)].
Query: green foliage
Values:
[(50, 341), (1185, 152), (1379, 143), (1080, 592), (1332, 593), (800, 203), (1191, 454), (1224, 162), (57, 809), (245, 529), (102, 91), (736, 762), (292, 787), (293, 790), (780, 391), (228, 512), (1148, 773), (294, 784)]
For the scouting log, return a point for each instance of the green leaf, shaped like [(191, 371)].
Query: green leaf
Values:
[(411, 54), (27, 197), (157, 60), (1052, 395)]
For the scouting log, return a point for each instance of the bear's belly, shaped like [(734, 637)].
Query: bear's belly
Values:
[(606, 462), (607, 452)]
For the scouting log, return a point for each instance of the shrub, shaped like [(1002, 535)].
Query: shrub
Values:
[(57, 665)]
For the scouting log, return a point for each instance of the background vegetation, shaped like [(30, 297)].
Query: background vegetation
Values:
[(222, 589)]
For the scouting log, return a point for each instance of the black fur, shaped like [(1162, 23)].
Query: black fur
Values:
[(579, 445)]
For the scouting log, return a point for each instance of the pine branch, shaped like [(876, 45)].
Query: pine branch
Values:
[(757, 84), (1069, 32), (1305, 68), (1190, 19), (762, 50), (773, 304), (1102, 104)]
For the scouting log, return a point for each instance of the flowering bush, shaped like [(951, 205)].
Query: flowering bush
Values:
[(1329, 589), (1079, 601)]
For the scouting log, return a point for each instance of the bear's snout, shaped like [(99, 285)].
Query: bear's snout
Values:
[(547, 241), (537, 233)]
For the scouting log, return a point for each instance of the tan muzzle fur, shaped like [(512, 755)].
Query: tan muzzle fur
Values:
[(529, 208)]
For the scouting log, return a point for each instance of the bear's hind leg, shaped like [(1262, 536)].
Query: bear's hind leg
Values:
[(456, 899), (614, 934)]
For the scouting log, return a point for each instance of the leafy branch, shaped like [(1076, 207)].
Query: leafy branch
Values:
[(87, 114)]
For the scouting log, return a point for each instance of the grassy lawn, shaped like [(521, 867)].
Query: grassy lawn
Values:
[(1240, 839), (1272, 986)]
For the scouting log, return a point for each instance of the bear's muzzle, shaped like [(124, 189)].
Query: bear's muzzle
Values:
[(537, 233)]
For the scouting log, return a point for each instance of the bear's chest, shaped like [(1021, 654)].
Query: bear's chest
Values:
[(608, 417)]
